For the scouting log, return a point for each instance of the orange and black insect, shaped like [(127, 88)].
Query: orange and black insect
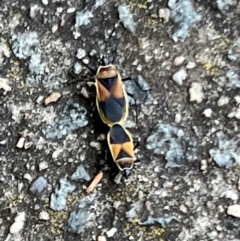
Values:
[(111, 99), (121, 146)]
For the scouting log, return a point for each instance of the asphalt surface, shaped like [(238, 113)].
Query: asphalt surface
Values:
[(187, 184)]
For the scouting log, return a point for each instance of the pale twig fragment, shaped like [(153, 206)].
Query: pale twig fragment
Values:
[(95, 182), (52, 98)]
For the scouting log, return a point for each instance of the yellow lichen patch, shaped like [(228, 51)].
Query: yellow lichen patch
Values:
[(57, 220), (14, 200), (150, 233), (208, 66), (215, 71), (136, 4), (221, 45), (151, 22), (158, 231)]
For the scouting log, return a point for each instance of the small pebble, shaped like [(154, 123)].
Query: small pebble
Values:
[(4, 84), (191, 65), (44, 215), (28, 144), (178, 60), (20, 143), (43, 165), (54, 28), (223, 100), (17, 226), (85, 61), (95, 145), (93, 52), (179, 76), (101, 238), (84, 93), (126, 18), (45, 2), (81, 53), (178, 118), (183, 208), (110, 233), (77, 68), (33, 10), (116, 204), (234, 210), (196, 92), (164, 13), (101, 137), (71, 10), (208, 112), (59, 9), (38, 185), (39, 100), (3, 142), (56, 153), (203, 165), (237, 99), (28, 177)]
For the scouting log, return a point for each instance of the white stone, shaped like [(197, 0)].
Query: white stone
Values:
[(208, 112), (28, 177), (54, 28), (223, 100), (56, 153), (178, 60), (81, 53), (110, 233), (179, 76), (234, 210), (191, 65), (71, 10), (204, 165), (33, 10), (237, 99), (44, 215), (4, 84), (101, 238), (164, 13), (43, 165), (178, 118), (196, 92), (39, 100), (183, 208), (17, 226), (45, 2), (20, 143), (85, 61)]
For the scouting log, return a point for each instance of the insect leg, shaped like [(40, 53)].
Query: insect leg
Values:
[(127, 78), (135, 103), (137, 161), (137, 143), (92, 69), (114, 55)]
